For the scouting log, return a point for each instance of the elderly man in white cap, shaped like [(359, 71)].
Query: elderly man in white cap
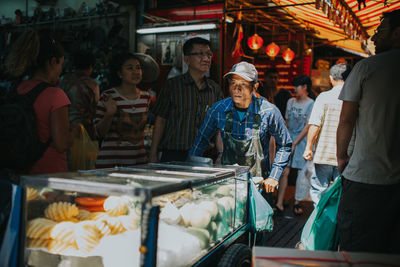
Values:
[(246, 124)]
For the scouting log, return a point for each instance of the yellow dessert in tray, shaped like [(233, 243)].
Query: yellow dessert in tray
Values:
[(64, 227)]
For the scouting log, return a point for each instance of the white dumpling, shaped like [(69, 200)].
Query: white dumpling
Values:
[(202, 234), (211, 207), (200, 218), (186, 212), (170, 214), (224, 190), (185, 246)]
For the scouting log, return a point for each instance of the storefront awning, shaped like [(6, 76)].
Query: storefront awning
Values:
[(343, 23)]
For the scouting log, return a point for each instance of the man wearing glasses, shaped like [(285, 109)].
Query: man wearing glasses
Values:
[(246, 123), (182, 104), (369, 214)]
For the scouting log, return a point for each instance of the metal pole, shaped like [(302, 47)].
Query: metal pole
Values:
[(26, 14), (222, 46)]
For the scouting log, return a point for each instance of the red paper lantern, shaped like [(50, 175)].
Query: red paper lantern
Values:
[(272, 50), (255, 42), (288, 55)]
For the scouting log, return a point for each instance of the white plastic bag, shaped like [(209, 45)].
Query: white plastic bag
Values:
[(303, 181)]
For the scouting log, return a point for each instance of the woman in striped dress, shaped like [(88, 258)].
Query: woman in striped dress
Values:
[(121, 115)]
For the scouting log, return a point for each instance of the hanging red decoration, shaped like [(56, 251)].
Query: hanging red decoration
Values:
[(237, 49), (288, 55), (317, 4), (255, 42), (272, 50)]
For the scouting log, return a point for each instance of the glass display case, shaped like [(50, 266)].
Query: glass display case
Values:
[(148, 215)]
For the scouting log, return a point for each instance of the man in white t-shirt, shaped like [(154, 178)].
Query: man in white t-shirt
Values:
[(369, 213), (323, 123)]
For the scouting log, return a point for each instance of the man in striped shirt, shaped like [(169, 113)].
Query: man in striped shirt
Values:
[(183, 103), (324, 120)]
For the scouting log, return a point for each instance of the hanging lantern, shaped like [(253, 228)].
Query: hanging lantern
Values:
[(255, 42), (288, 55), (272, 50)]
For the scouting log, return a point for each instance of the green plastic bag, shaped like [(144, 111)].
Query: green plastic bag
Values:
[(320, 231), (260, 211)]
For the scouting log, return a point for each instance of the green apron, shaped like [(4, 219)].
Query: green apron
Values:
[(243, 152)]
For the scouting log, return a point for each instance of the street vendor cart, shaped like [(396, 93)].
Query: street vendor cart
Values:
[(175, 214)]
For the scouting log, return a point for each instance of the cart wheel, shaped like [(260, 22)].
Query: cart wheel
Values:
[(237, 255)]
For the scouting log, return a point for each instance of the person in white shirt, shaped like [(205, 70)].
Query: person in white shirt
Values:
[(323, 123)]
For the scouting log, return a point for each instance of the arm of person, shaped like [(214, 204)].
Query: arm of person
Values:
[(220, 147), (347, 121), (59, 127), (96, 90), (161, 109), (206, 131), (300, 137), (272, 150), (315, 121), (105, 109), (159, 126), (312, 136), (283, 143)]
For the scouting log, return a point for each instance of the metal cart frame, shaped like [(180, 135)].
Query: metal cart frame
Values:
[(150, 214)]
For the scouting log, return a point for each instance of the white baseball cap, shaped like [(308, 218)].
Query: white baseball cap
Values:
[(245, 70)]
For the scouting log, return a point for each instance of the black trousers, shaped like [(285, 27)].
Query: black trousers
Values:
[(369, 217)]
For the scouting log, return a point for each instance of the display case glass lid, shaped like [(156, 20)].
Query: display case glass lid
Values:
[(169, 171), (154, 178), (201, 168), (105, 182)]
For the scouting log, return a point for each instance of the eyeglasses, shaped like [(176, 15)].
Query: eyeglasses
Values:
[(201, 54)]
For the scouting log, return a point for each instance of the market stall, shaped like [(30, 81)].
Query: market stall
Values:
[(176, 214)]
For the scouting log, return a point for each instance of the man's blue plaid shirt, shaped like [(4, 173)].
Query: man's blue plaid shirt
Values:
[(272, 124)]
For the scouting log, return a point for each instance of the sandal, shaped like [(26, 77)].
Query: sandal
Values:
[(298, 209), (278, 212)]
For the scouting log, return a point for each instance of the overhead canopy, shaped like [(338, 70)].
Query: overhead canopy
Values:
[(342, 22)]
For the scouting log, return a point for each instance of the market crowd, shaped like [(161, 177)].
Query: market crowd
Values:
[(352, 129)]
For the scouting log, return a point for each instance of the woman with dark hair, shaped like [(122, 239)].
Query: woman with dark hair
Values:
[(298, 111), (40, 58), (121, 115)]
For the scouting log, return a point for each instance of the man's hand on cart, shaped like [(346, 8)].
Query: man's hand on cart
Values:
[(270, 184)]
